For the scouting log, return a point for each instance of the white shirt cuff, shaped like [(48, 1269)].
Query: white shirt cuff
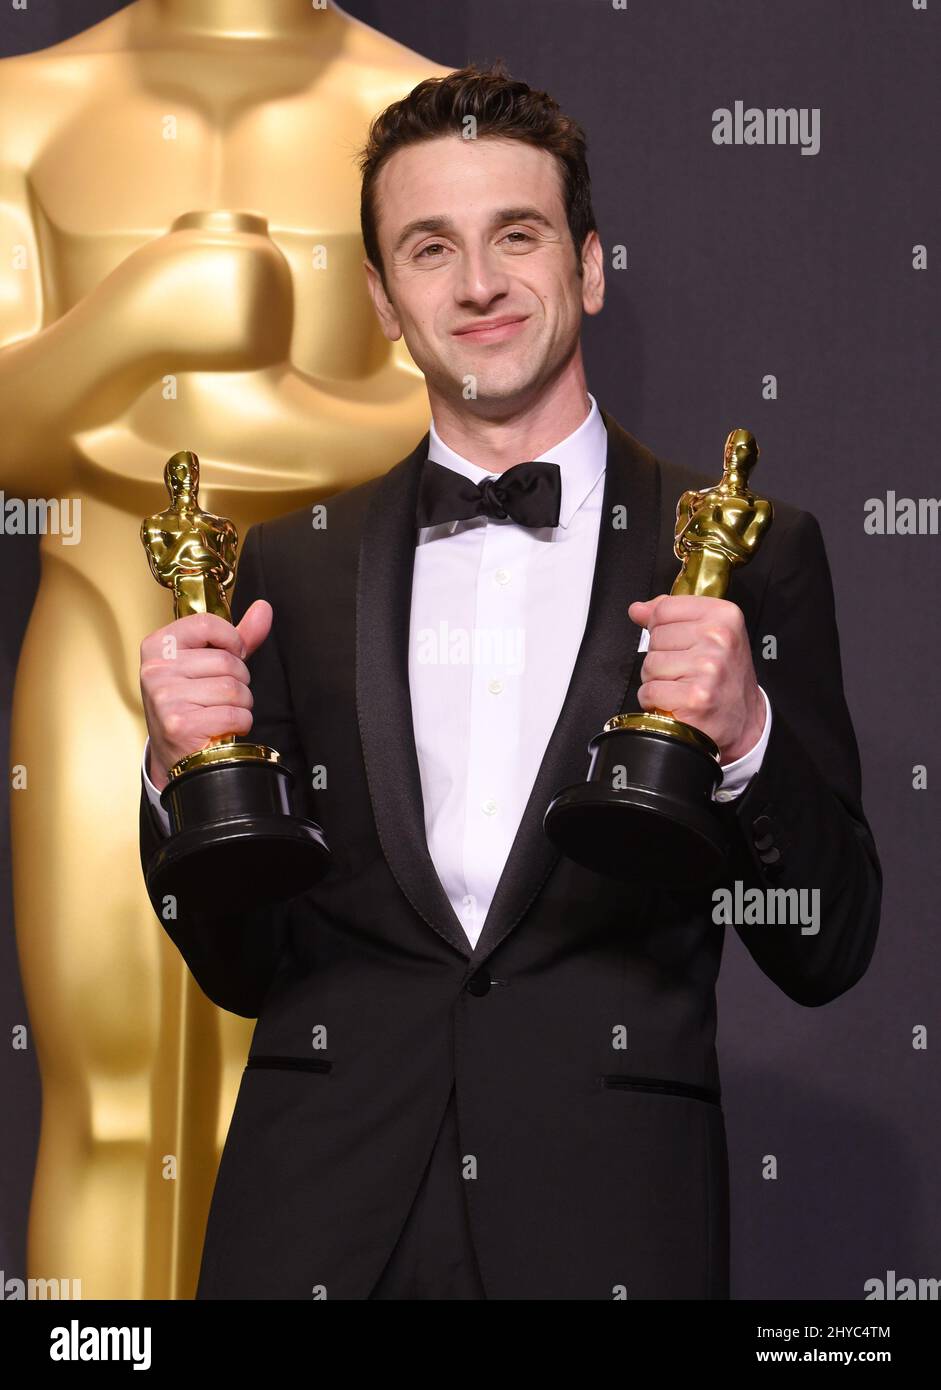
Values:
[(736, 776), (153, 796)]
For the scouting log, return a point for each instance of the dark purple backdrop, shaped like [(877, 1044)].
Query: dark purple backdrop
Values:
[(742, 261)]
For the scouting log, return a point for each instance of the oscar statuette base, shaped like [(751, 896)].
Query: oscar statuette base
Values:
[(234, 843), (646, 813)]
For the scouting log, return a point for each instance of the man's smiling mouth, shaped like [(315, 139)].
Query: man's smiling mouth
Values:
[(492, 330)]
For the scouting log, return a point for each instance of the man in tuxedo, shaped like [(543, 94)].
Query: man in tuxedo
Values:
[(480, 1070)]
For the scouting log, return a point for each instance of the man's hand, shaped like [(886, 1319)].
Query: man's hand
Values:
[(194, 683), (699, 667)]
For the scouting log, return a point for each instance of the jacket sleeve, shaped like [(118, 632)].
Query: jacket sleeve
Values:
[(799, 824), (234, 958)]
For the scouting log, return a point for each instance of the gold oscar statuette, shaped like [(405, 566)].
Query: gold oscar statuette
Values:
[(647, 811), (234, 840), (169, 245)]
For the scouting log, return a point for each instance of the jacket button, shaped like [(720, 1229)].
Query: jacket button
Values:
[(761, 825), (764, 842), (770, 856), (479, 982)]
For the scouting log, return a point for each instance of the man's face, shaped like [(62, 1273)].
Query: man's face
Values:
[(481, 271)]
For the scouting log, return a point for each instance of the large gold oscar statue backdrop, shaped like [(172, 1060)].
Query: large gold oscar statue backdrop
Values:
[(180, 268)]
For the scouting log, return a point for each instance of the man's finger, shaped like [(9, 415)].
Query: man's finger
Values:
[(255, 625), (641, 609), (675, 637), (680, 608), (195, 630)]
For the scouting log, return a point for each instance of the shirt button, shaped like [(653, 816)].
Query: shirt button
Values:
[(495, 687), (723, 796), (502, 576), (489, 807)]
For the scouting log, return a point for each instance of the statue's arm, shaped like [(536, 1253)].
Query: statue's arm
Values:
[(734, 541), (758, 524), (684, 509), (50, 372), (158, 311), (718, 534), (187, 553), (154, 548), (230, 552)]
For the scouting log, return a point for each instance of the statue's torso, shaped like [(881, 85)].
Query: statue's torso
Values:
[(272, 132), (118, 143)]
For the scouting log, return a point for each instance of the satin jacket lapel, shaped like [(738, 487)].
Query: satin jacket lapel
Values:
[(383, 701), (602, 675)]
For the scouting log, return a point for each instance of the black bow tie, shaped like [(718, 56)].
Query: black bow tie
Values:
[(528, 493)]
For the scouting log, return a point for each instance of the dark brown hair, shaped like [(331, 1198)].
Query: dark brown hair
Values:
[(501, 107)]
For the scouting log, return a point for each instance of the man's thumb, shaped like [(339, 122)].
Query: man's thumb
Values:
[(255, 625)]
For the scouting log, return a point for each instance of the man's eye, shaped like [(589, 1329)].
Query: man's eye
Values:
[(432, 250)]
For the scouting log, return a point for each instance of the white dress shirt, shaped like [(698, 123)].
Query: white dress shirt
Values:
[(497, 616)]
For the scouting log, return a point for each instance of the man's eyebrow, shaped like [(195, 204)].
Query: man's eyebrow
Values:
[(422, 224), (446, 224), (520, 215)]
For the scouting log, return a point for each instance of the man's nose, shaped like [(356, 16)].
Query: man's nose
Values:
[(481, 279)]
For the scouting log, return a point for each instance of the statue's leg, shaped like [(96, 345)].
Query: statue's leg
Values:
[(138, 1069), (688, 577), (200, 593), (705, 572)]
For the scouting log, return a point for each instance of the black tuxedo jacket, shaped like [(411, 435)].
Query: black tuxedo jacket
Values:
[(580, 1032)]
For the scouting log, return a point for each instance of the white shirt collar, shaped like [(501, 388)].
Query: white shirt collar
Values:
[(581, 458)]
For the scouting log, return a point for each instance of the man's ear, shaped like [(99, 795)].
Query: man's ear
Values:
[(592, 274), (388, 318)]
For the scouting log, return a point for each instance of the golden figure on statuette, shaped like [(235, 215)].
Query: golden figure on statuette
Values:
[(720, 527), (234, 841), (647, 809), (191, 551)]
